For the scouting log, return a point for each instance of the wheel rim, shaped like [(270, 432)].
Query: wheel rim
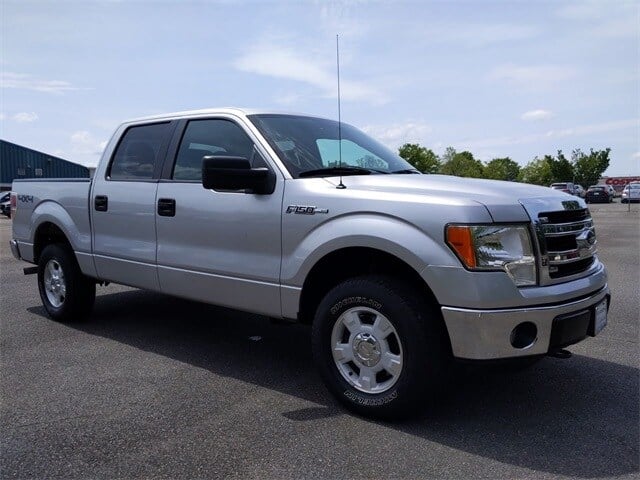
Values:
[(54, 283), (367, 350)]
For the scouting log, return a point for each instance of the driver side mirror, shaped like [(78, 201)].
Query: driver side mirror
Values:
[(235, 173)]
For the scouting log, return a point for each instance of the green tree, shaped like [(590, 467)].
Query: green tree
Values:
[(420, 157), (589, 168), (448, 155), (463, 165), (561, 168), (537, 171), (502, 169)]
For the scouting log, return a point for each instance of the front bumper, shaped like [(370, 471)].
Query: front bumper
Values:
[(487, 334), (14, 249)]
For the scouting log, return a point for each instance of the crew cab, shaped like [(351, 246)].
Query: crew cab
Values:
[(309, 220)]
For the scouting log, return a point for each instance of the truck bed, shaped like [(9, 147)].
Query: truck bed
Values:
[(64, 200)]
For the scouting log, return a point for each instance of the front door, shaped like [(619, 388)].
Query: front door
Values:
[(218, 247)]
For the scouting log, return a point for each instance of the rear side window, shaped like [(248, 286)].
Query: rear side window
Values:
[(137, 155), (210, 137)]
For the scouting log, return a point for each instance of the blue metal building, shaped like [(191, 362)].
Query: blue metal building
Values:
[(17, 162)]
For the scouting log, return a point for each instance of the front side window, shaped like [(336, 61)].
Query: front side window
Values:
[(306, 144), (138, 152), (209, 137)]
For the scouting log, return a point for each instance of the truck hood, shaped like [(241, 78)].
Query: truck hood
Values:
[(505, 201)]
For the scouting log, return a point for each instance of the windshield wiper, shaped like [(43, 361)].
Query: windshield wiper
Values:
[(407, 170), (334, 171)]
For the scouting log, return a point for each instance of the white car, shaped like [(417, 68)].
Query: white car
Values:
[(631, 192)]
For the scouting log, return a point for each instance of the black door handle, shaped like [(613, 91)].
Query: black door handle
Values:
[(101, 203), (166, 207)]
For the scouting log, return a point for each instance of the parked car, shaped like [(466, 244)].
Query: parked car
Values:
[(631, 193), (566, 187), (611, 190), (580, 191), (598, 194), (5, 204)]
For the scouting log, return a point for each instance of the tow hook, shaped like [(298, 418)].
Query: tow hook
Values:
[(560, 353)]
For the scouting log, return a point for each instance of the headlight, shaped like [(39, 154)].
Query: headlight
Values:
[(495, 247)]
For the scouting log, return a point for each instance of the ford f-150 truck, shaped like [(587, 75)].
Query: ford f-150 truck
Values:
[(309, 220)]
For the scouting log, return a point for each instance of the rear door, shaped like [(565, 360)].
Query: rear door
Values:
[(221, 247), (124, 207)]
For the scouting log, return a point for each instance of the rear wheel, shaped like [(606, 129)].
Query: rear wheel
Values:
[(67, 294), (380, 349)]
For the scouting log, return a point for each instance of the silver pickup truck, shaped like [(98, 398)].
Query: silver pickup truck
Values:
[(305, 219)]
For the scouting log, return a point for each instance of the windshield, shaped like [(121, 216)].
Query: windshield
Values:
[(306, 144)]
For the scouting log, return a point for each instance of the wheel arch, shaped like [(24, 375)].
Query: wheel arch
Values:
[(74, 227), (350, 262), (48, 233)]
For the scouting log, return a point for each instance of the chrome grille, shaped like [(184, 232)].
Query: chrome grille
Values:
[(567, 242)]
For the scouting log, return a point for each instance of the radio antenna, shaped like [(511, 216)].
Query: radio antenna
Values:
[(340, 185)]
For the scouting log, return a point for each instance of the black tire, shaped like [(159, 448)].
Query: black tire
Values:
[(72, 303), (418, 335)]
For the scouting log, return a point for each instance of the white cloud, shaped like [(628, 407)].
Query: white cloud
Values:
[(534, 115), (622, 27), (25, 117), (282, 62), (605, 19), (533, 77), (25, 81), (584, 10), (578, 131), (480, 35), (636, 155), (85, 148), (288, 99), (2, 116), (400, 133), (340, 16)]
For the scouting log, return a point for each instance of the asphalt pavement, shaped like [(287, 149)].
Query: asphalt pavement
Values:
[(157, 387)]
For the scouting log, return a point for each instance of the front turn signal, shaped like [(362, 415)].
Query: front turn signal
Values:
[(459, 237)]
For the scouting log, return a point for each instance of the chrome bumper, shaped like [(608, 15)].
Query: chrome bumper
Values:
[(15, 250), (487, 334)]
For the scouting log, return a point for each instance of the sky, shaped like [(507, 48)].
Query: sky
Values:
[(514, 79)]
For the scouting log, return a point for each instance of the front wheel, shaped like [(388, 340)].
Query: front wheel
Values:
[(67, 294), (380, 349)]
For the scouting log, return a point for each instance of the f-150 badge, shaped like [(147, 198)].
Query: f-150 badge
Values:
[(305, 210)]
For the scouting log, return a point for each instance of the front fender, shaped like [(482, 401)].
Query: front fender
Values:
[(371, 230)]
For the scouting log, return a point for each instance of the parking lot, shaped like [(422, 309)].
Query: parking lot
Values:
[(160, 387)]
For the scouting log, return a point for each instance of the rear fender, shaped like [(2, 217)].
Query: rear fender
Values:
[(52, 212)]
